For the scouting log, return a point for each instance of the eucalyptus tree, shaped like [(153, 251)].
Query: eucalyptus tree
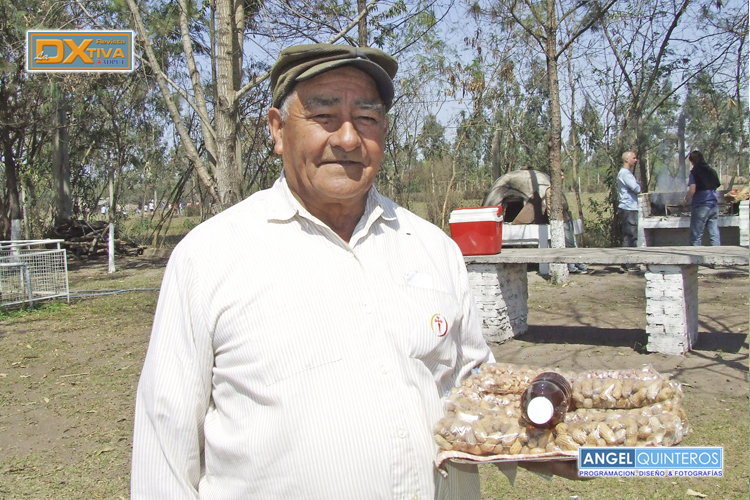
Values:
[(519, 106), (401, 154), (716, 102), (408, 32), (541, 21), (518, 101), (476, 70), (431, 140), (715, 125), (434, 150), (226, 49), (536, 121), (28, 110), (665, 40), (14, 123), (467, 83), (574, 138)]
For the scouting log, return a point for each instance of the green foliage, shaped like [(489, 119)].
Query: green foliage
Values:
[(188, 224), (598, 224), (431, 141), (716, 127), (477, 82)]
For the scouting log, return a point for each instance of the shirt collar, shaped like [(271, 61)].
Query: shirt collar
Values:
[(285, 206)]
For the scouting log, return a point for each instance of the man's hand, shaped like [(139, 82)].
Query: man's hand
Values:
[(563, 468)]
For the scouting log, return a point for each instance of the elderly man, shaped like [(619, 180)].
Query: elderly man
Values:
[(304, 337)]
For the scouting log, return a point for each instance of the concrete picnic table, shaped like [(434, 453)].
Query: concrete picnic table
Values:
[(500, 286)]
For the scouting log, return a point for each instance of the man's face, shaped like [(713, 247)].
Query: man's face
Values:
[(632, 160), (333, 138)]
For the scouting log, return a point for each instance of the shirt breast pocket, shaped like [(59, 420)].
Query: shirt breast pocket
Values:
[(428, 320)]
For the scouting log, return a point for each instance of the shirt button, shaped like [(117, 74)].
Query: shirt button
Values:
[(367, 309), (401, 433), (384, 370)]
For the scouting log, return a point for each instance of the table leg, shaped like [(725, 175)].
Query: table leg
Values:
[(671, 308), (501, 292)]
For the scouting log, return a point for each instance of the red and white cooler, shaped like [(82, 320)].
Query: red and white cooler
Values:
[(477, 230)]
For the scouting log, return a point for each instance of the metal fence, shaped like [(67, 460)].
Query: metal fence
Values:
[(32, 270)]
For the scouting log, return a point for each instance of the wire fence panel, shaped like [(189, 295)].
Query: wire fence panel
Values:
[(32, 270)]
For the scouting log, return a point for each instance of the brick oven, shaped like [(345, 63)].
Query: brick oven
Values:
[(664, 221)]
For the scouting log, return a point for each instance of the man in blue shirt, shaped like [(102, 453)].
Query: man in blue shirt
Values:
[(627, 194)]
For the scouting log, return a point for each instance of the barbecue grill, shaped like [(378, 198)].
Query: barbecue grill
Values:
[(664, 221), (669, 204)]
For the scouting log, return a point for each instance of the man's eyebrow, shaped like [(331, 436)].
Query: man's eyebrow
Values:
[(319, 102), (369, 104)]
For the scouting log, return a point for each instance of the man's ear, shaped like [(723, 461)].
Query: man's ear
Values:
[(276, 126)]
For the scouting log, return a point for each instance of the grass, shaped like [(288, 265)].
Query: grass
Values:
[(74, 409), (39, 310), (68, 375), (140, 230)]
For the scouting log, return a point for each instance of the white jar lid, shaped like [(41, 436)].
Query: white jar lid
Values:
[(540, 410)]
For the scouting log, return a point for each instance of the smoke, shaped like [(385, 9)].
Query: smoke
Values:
[(666, 182), (670, 191)]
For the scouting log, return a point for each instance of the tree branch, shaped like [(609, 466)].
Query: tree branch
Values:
[(584, 28), (195, 77), (187, 141), (663, 47), (536, 37), (156, 69), (259, 79)]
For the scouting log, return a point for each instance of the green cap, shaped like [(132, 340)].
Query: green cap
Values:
[(302, 62)]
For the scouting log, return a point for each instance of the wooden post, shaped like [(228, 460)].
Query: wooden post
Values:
[(111, 243)]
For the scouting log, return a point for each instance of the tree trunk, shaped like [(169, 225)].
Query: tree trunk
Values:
[(212, 34), (25, 206), (174, 112), (362, 27), (681, 170), (237, 51), (641, 153), (574, 134), (557, 231), (195, 78), (448, 189), (738, 97), (497, 168), (11, 177), (61, 165), (227, 173)]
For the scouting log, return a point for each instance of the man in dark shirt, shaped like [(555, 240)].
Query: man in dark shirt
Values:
[(704, 200)]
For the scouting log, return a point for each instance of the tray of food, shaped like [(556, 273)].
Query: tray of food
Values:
[(487, 417)]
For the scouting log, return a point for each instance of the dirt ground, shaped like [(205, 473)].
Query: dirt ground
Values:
[(597, 321), (68, 374)]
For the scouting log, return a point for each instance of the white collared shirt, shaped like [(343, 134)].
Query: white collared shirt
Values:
[(285, 363)]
